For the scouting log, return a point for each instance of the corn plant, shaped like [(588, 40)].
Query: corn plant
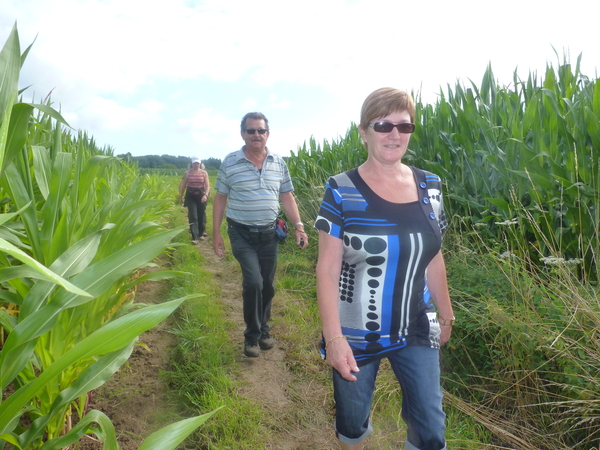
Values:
[(77, 225)]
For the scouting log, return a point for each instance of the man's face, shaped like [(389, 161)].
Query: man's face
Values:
[(255, 141)]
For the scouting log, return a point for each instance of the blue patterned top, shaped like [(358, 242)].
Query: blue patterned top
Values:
[(384, 303)]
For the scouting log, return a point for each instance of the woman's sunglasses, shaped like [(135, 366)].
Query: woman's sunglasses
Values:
[(387, 127), (253, 130)]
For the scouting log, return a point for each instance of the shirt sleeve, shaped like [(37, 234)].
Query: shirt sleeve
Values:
[(286, 179), (330, 218)]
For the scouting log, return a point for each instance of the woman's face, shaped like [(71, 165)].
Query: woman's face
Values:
[(387, 148), (196, 166)]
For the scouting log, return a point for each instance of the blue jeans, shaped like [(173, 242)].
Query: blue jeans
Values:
[(418, 371), (258, 261)]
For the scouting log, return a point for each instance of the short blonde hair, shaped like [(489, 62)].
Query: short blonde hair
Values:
[(385, 101)]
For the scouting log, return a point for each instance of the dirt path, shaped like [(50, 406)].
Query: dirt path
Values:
[(289, 400), (132, 398)]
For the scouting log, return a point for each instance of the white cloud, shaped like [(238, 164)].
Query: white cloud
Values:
[(131, 65), (249, 104)]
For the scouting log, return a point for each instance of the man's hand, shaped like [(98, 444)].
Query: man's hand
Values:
[(301, 239), (218, 245)]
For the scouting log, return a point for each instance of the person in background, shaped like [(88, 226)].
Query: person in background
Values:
[(250, 184), (381, 277), (204, 221), (194, 190)]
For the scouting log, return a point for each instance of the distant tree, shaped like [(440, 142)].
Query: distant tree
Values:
[(212, 163), (127, 157), (168, 161)]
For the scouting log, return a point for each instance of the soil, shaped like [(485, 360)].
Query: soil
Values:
[(134, 398)]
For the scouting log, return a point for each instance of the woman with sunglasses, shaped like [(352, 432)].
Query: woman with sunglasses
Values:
[(381, 279)]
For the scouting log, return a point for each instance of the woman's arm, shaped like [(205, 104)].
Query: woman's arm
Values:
[(329, 266), (206, 184), (206, 187), (437, 282), (182, 186)]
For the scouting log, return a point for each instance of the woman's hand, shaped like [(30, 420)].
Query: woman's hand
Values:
[(446, 331), (339, 356)]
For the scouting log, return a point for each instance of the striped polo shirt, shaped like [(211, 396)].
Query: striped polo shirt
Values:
[(253, 195)]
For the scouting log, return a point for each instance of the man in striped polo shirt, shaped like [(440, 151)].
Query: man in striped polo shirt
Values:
[(250, 183)]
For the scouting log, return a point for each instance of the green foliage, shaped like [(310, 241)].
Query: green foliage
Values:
[(76, 226), (523, 350)]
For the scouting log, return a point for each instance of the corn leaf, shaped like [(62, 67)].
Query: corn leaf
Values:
[(169, 437), (111, 337)]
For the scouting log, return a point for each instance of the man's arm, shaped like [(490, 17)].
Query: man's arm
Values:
[(219, 204), (291, 210)]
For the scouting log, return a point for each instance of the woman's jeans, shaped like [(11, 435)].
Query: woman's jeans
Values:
[(257, 255), (418, 371), (196, 215)]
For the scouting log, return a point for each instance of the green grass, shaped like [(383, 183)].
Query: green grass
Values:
[(204, 360)]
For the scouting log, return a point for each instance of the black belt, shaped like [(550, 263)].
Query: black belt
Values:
[(250, 227)]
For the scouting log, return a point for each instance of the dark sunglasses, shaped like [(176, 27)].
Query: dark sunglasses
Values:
[(253, 130), (387, 127)]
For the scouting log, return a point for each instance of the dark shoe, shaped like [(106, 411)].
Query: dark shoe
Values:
[(266, 342), (251, 349)]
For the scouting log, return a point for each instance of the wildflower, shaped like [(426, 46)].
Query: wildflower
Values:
[(508, 222), (551, 260)]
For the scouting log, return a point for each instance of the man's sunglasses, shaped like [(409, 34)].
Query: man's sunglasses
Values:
[(254, 130), (387, 127)]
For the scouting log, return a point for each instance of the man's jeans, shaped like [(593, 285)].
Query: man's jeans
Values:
[(259, 263), (418, 371)]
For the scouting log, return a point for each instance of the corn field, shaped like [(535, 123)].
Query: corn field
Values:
[(76, 227), (526, 154)]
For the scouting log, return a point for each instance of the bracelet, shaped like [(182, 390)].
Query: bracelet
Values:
[(341, 336), (444, 322), (297, 224)]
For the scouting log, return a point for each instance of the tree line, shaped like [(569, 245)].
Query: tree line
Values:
[(168, 161)]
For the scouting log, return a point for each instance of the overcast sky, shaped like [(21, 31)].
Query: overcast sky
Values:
[(175, 77)]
